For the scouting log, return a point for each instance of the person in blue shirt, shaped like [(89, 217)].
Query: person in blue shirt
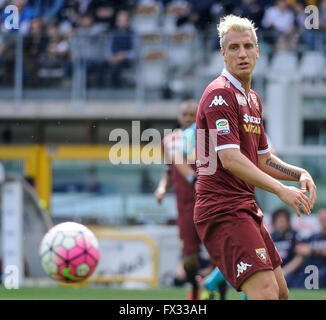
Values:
[(286, 239), (48, 10), (26, 15), (121, 51), (313, 251)]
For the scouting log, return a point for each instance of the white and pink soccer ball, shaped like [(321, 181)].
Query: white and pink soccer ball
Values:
[(69, 252)]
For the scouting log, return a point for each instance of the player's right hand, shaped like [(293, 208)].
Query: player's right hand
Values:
[(296, 199)]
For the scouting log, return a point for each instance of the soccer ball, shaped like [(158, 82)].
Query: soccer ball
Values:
[(69, 252)]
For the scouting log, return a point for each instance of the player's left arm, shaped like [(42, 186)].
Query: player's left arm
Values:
[(278, 169)]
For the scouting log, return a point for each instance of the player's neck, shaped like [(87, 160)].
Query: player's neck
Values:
[(245, 82), (246, 86)]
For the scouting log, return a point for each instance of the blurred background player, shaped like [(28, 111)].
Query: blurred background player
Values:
[(185, 193), (286, 239), (313, 252)]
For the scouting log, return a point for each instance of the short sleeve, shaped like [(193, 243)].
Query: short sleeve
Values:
[(222, 120)]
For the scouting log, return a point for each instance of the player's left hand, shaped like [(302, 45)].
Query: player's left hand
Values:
[(308, 185)]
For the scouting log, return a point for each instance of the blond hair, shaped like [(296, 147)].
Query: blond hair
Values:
[(235, 23)]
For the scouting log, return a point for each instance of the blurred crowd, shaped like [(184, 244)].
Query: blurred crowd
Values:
[(304, 258), (57, 31)]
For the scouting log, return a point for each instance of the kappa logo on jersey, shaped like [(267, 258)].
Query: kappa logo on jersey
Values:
[(218, 101), (227, 84), (262, 254), (222, 126), (242, 267), (241, 99), (254, 99)]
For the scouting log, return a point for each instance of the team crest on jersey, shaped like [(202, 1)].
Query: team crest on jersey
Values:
[(254, 99), (241, 99), (262, 254)]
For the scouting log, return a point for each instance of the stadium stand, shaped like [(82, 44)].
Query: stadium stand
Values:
[(50, 33), (58, 92)]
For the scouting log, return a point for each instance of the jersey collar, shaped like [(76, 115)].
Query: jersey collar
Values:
[(236, 83)]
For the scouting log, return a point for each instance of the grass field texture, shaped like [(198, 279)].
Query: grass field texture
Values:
[(107, 293)]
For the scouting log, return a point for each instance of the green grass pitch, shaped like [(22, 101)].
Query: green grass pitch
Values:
[(108, 293)]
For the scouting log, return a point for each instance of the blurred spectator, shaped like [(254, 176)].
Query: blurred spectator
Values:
[(252, 10), (106, 10), (47, 9), (285, 239), (78, 8), (122, 47), (7, 58), (103, 11), (3, 3), (200, 14), (314, 251), (55, 59), (87, 45), (279, 21), (299, 29), (322, 22), (300, 15), (34, 46), (314, 39)]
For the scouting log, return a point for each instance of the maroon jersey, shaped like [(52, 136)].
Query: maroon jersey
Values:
[(184, 191), (185, 194), (226, 118)]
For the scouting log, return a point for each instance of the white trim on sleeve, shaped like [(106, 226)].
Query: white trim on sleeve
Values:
[(264, 151), (227, 146)]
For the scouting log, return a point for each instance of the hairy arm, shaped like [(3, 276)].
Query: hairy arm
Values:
[(278, 169), (237, 163)]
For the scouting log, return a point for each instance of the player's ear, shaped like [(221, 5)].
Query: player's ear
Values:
[(257, 50), (223, 54)]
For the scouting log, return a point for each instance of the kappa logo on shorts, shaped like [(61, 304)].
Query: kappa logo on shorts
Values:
[(242, 267), (262, 254)]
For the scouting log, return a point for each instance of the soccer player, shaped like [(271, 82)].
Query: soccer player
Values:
[(232, 158), (183, 177)]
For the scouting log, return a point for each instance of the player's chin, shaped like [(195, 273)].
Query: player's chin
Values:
[(244, 73)]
